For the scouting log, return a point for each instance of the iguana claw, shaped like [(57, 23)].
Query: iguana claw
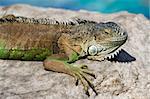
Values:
[(81, 73)]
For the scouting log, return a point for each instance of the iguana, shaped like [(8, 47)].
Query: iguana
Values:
[(59, 44)]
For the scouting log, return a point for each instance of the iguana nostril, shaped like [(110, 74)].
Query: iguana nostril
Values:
[(124, 33)]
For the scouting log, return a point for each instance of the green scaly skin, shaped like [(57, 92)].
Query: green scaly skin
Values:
[(60, 44)]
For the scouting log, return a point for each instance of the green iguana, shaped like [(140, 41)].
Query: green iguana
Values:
[(60, 43)]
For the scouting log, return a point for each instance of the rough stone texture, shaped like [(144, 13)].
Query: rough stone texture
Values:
[(126, 78)]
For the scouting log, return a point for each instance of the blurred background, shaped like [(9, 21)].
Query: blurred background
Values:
[(103, 6)]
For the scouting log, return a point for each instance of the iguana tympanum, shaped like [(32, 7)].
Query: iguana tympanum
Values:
[(59, 43)]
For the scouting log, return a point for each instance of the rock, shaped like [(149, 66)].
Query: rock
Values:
[(127, 76)]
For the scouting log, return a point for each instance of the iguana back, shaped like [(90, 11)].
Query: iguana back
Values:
[(27, 38)]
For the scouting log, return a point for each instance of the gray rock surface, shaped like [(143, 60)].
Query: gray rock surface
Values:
[(115, 80)]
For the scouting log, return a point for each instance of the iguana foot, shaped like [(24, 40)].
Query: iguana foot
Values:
[(81, 73)]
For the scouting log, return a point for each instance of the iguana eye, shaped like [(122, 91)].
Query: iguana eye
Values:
[(92, 50)]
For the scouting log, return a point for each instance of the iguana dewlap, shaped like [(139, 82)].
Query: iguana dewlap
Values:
[(59, 44)]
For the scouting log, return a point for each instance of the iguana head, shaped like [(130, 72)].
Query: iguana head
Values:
[(103, 41)]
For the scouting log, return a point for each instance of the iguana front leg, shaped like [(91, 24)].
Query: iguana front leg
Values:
[(61, 63)]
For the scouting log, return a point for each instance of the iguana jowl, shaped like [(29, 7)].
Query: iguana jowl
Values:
[(59, 44)]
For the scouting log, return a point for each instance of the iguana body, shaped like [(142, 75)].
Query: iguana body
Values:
[(59, 44)]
